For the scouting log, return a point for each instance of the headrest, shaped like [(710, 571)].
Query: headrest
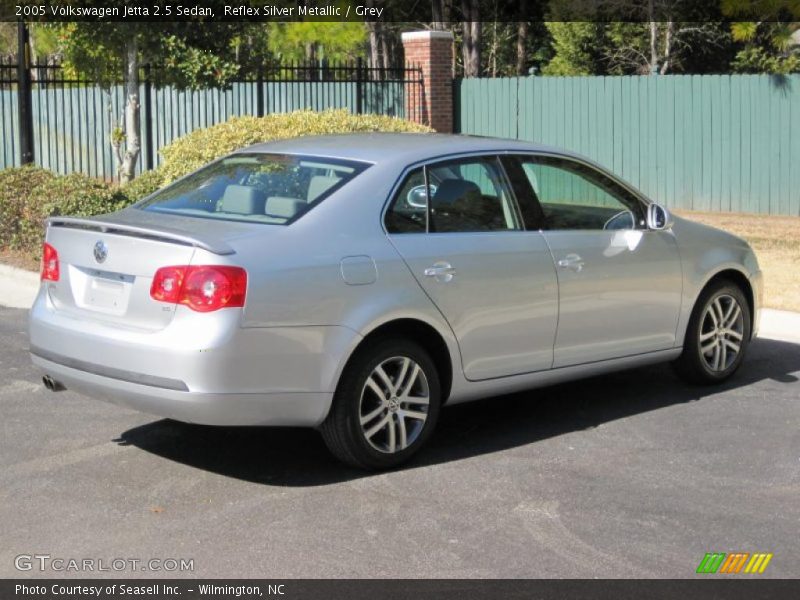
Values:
[(320, 184), (242, 200), (451, 190), (283, 206)]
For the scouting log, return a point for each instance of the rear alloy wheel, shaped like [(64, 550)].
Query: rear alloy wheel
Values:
[(394, 404), (718, 335), (386, 406)]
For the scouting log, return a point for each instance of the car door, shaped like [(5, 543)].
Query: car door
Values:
[(458, 229), (619, 283)]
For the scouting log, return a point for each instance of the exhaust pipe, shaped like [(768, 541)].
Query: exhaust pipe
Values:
[(52, 385)]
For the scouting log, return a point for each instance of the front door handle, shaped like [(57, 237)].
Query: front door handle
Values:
[(571, 261), (442, 271)]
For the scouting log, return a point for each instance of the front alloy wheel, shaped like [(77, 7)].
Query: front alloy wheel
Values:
[(385, 406), (717, 336), (721, 333)]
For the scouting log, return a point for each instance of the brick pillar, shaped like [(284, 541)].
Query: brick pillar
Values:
[(433, 52)]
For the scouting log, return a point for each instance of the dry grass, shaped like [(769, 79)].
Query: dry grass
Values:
[(776, 241)]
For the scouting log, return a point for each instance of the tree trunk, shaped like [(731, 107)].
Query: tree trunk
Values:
[(493, 51), (471, 47), (386, 53), (440, 19), (375, 35), (466, 43), (653, 66), (522, 41), (667, 47), (475, 58), (311, 52), (133, 144), (374, 44)]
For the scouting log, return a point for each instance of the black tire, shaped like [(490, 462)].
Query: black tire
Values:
[(693, 364), (342, 429)]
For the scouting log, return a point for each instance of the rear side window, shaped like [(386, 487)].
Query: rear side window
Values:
[(260, 188), (469, 195), (408, 212)]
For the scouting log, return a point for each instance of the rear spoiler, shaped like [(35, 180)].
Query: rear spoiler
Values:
[(164, 234)]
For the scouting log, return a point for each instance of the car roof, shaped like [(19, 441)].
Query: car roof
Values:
[(379, 148)]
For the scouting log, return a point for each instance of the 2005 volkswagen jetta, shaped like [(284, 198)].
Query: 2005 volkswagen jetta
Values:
[(359, 283)]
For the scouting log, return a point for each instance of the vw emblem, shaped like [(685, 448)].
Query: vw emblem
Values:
[(100, 251)]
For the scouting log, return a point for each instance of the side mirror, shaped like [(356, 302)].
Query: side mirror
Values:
[(658, 217)]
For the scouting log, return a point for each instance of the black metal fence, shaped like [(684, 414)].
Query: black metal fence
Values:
[(73, 118)]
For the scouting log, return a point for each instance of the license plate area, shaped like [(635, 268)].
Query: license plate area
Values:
[(101, 291)]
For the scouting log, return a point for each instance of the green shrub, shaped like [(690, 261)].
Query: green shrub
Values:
[(18, 187), (144, 185), (29, 195), (199, 147)]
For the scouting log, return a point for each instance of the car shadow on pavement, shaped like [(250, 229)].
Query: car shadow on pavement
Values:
[(298, 457)]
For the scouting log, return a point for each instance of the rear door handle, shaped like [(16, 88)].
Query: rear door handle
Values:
[(442, 271), (571, 261)]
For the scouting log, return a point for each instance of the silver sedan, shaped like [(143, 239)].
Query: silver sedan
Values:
[(358, 283)]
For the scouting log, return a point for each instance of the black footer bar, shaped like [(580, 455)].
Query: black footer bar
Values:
[(416, 589)]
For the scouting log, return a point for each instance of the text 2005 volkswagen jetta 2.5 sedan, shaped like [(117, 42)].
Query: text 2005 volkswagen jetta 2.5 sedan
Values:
[(358, 283)]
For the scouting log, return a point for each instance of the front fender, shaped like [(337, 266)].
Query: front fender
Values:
[(707, 252)]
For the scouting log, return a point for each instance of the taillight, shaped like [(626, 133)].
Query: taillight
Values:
[(50, 268), (201, 288), (167, 284), (211, 288)]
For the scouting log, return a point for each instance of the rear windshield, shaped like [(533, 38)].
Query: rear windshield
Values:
[(259, 188)]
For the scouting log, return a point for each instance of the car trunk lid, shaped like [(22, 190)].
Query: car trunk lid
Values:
[(107, 263)]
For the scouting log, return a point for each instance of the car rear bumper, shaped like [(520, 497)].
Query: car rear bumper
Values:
[(305, 409), (197, 369)]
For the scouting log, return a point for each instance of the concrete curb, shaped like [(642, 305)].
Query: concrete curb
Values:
[(18, 289), (780, 325)]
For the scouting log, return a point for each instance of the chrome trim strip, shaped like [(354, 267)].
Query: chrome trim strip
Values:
[(110, 372)]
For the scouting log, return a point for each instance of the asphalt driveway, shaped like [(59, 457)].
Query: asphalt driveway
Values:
[(629, 475)]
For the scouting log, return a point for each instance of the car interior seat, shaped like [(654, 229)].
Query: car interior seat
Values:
[(320, 184), (242, 200), (283, 207), (459, 205)]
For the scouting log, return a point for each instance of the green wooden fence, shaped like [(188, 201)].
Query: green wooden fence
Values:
[(72, 118), (72, 125), (700, 142)]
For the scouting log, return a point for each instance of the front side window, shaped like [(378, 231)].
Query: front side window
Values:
[(575, 196), (260, 188), (469, 195)]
